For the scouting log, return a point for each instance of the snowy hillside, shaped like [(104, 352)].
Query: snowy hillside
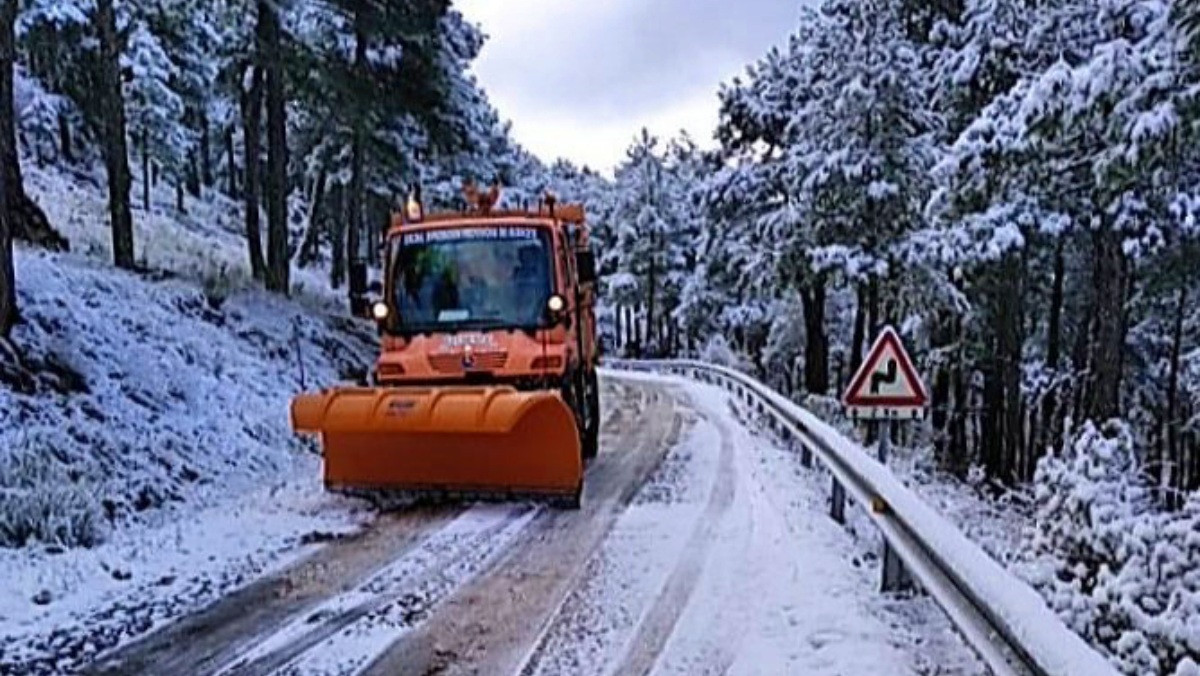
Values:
[(150, 412), (152, 391)]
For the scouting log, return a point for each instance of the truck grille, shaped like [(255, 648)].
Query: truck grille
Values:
[(452, 363)]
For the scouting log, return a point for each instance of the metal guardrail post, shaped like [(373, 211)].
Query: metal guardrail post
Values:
[(837, 502), (893, 575)]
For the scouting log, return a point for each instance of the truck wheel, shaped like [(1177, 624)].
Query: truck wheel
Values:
[(574, 396), (591, 429), (571, 502)]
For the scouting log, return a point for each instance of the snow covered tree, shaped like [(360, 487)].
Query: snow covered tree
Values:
[(113, 128), (155, 108), (381, 69), (192, 38), (839, 151), (26, 220), (271, 59), (655, 232)]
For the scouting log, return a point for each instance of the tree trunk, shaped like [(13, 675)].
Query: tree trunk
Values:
[(939, 417), (116, 152), (251, 121), (942, 337), (1050, 427), (312, 234), (992, 432), (232, 184), (816, 345), (206, 163), (278, 260), (619, 327), (651, 283), (8, 279), (1011, 339), (337, 267), (8, 154), (145, 173), (873, 309), (1103, 398), (26, 220), (1172, 455), (960, 456), (860, 332), (180, 206), (1054, 333), (354, 225), (65, 147)]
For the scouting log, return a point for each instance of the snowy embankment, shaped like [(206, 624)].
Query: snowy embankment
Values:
[(726, 563), (146, 461), (1084, 537)]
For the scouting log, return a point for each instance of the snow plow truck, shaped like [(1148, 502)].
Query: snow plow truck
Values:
[(485, 386)]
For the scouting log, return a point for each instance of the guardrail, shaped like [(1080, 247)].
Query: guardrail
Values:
[(1001, 617)]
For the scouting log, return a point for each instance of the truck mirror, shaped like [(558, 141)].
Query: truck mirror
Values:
[(585, 262)]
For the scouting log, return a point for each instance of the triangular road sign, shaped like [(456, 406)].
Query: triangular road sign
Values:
[(886, 385)]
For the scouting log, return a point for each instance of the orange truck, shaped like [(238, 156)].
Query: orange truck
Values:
[(486, 383)]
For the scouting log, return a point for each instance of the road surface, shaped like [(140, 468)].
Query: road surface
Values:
[(700, 549)]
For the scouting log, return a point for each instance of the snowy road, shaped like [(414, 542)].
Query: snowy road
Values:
[(701, 548)]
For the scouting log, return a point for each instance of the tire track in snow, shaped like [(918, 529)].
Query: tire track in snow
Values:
[(215, 635), (658, 623), (393, 614), (488, 625), (779, 594), (236, 626), (402, 592)]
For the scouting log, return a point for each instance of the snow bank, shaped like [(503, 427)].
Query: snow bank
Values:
[(1121, 573), (1015, 604), (169, 388), (149, 394), (146, 460), (59, 609)]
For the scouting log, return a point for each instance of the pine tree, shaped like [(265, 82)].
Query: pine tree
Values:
[(113, 127), (26, 220), (270, 53), (155, 109)]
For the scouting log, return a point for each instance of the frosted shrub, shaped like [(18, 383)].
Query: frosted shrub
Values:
[(41, 502), (220, 282), (1124, 576), (718, 351)]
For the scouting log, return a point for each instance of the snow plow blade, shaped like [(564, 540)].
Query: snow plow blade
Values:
[(461, 441)]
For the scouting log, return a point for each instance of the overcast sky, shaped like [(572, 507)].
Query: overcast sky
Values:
[(578, 79)]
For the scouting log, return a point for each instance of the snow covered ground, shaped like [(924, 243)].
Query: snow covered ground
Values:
[(147, 464), (147, 470), (727, 563)]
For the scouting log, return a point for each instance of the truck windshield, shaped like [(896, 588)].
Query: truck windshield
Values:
[(471, 277)]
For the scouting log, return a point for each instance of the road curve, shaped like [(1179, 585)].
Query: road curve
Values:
[(701, 548)]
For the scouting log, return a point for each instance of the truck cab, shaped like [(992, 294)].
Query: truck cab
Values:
[(490, 297)]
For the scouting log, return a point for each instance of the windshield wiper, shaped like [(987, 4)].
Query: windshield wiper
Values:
[(469, 325)]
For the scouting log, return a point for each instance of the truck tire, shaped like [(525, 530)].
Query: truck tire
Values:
[(573, 394), (591, 429), (570, 502)]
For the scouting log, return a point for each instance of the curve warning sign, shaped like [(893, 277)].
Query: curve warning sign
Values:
[(886, 386)]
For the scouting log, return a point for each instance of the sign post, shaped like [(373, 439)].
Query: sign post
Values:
[(886, 388)]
